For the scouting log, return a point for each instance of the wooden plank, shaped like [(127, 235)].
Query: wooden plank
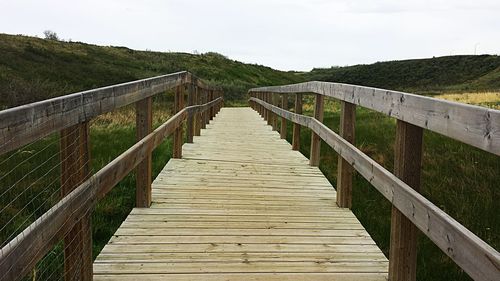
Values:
[(144, 125), (407, 167), (472, 254), (315, 139), (75, 168), (473, 125), (245, 276), (344, 169)]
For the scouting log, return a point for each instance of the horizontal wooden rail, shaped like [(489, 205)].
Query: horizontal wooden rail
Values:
[(24, 124), (468, 251), (474, 125), (25, 250)]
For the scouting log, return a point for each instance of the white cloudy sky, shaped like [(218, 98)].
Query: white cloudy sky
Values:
[(284, 34)]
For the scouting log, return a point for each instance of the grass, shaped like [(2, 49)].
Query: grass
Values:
[(486, 99), (459, 179)]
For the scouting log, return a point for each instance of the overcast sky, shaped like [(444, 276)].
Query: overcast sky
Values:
[(283, 34)]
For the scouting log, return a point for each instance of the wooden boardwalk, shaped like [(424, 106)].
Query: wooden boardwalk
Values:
[(241, 205)]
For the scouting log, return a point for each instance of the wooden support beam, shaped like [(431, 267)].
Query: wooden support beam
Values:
[(284, 105), (144, 124), (212, 109), (407, 167), (190, 119), (344, 169), (204, 114), (315, 139), (197, 130), (296, 126), (75, 169), (274, 101), (178, 133)]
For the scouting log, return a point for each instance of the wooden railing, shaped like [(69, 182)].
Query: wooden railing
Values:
[(69, 219), (477, 126)]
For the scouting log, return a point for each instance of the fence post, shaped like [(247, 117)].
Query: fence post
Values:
[(75, 168), (144, 124), (296, 127), (344, 169), (178, 136), (269, 112), (190, 117), (275, 102), (204, 96), (315, 139), (284, 106), (212, 109), (407, 167), (197, 125)]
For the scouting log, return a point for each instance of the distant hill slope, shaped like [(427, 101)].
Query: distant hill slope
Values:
[(33, 69), (451, 73)]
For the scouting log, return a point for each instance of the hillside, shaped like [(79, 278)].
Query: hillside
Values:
[(441, 74), (33, 69)]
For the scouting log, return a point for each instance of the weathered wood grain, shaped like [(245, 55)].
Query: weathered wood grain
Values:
[(315, 139), (344, 169), (473, 125), (407, 167), (468, 251), (75, 168)]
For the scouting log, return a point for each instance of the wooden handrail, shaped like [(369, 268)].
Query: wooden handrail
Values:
[(468, 251), (24, 124), (27, 248), (473, 125)]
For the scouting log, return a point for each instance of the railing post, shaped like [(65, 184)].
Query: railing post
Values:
[(344, 169), (178, 136), (75, 168), (197, 125), (275, 102), (269, 112), (190, 118), (407, 167), (144, 124), (204, 98), (296, 127), (315, 139), (212, 108), (284, 106)]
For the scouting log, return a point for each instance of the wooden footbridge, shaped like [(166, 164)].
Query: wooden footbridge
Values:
[(237, 201)]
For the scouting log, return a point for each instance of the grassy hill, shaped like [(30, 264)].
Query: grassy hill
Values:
[(33, 69), (441, 74)]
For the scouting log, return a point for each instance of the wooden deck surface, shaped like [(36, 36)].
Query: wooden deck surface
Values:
[(241, 205)]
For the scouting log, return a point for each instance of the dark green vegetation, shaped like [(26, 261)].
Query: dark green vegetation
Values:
[(456, 177), (452, 73), (33, 69)]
